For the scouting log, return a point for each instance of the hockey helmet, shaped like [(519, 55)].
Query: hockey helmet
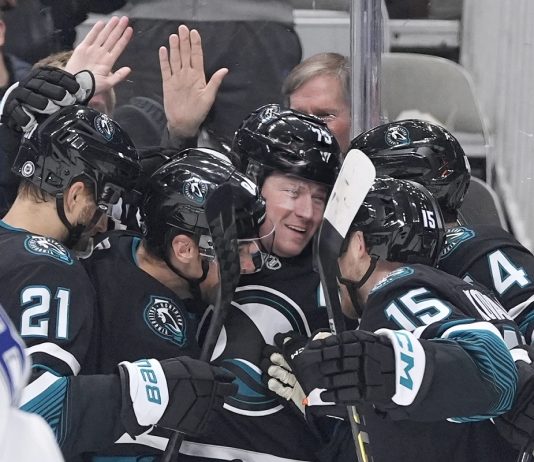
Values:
[(401, 222), (423, 152), (78, 143), (177, 192), (274, 138)]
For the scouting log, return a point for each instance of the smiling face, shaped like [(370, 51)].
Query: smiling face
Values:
[(295, 207), (322, 96)]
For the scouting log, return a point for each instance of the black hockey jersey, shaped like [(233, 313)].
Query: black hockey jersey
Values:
[(435, 305), (138, 316), (49, 297), (255, 425), (493, 257)]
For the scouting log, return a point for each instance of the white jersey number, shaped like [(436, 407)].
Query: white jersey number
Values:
[(426, 310), (504, 273), (36, 302)]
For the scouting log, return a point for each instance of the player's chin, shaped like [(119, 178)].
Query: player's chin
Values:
[(290, 247)]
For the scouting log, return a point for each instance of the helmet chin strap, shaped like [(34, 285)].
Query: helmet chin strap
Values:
[(79, 233), (353, 286)]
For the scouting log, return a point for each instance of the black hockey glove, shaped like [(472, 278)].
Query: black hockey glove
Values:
[(178, 394), (357, 366), (43, 91), (517, 425)]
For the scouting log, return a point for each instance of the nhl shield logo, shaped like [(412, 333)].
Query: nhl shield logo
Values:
[(165, 318), (105, 127), (196, 190), (397, 135), (41, 245)]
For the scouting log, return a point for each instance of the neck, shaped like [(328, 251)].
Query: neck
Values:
[(451, 224), (382, 269), (37, 218), (159, 270)]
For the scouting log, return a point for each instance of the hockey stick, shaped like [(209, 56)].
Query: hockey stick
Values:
[(220, 213), (352, 185)]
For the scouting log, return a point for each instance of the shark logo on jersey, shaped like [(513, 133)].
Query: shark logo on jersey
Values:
[(393, 276), (397, 136), (257, 314), (41, 245), (166, 319), (104, 126), (196, 190), (453, 239)]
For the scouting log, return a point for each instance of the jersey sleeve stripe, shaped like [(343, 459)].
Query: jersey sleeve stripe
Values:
[(47, 398), (56, 351), (520, 307), (494, 361)]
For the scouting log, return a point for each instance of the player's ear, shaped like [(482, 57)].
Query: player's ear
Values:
[(362, 248), (356, 245), (74, 195), (184, 248)]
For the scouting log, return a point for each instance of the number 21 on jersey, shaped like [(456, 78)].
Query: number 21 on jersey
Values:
[(37, 305)]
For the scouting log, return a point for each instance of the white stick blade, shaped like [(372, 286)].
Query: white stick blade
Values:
[(352, 185)]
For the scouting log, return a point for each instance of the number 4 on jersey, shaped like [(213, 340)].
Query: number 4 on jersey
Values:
[(504, 273)]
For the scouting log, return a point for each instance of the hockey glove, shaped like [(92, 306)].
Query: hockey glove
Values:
[(178, 394), (44, 91), (281, 379), (357, 366), (517, 425), (282, 369)]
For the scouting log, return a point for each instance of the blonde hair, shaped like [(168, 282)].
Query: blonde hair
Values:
[(318, 64)]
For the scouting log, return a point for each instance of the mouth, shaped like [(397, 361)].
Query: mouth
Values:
[(297, 229)]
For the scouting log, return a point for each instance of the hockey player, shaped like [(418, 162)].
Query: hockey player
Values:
[(294, 159), (413, 390), (74, 166), (430, 155), (16, 426), (162, 271)]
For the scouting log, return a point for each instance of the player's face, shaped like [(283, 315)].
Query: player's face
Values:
[(295, 207), (85, 208), (208, 287), (353, 265), (322, 96)]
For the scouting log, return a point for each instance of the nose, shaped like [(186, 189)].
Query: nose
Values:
[(304, 206)]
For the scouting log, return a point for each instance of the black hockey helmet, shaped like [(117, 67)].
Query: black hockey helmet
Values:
[(177, 192), (401, 222), (77, 143), (275, 138), (423, 152)]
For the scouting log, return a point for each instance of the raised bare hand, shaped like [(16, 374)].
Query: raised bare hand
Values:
[(187, 96), (99, 51)]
